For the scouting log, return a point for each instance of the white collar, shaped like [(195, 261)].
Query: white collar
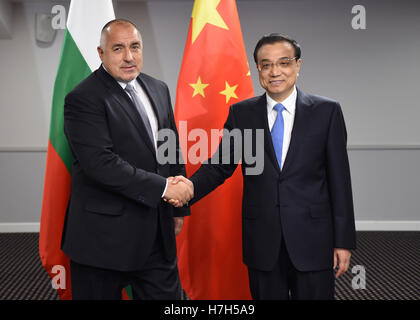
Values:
[(123, 84), (289, 103), (133, 83)]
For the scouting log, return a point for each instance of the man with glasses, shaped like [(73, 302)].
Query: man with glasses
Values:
[(298, 219)]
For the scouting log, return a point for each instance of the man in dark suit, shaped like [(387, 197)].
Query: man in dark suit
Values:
[(298, 220), (119, 230)]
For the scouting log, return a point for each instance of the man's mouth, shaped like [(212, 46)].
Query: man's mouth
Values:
[(128, 68), (276, 82)]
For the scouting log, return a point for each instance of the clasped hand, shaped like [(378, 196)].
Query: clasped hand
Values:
[(180, 190)]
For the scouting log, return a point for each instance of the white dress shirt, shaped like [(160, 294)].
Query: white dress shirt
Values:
[(288, 115)]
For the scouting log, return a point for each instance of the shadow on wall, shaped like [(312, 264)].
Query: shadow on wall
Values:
[(138, 13)]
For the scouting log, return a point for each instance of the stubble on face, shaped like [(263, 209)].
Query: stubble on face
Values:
[(121, 51)]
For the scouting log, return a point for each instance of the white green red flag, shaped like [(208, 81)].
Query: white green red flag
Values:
[(79, 58)]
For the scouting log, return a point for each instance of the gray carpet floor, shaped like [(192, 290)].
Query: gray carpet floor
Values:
[(385, 266)]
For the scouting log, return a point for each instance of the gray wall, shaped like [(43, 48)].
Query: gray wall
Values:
[(372, 72)]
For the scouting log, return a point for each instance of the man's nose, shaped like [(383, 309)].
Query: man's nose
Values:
[(275, 70), (128, 56)]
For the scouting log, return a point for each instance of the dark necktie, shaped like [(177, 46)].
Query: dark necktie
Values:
[(142, 111), (277, 132)]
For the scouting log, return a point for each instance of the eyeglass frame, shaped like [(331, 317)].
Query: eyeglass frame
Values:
[(272, 64)]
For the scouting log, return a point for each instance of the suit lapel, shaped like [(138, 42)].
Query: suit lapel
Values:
[(303, 104), (261, 109), (127, 105), (154, 99)]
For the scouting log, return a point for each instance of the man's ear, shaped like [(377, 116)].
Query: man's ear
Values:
[(299, 63), (100, 52)]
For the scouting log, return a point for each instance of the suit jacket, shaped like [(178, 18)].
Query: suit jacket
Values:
[(115, 206), (308, 203)]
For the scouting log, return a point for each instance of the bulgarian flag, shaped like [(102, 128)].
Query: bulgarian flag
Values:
[(214, 74), (78, 59)]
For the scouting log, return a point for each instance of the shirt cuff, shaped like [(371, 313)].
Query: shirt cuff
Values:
[(166, 186)]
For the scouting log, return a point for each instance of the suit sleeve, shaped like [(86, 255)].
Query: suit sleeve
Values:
[(87, 132), (219, 167), (339, 182), (177, 169)]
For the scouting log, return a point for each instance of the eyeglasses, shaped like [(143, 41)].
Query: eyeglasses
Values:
[(282, 63)]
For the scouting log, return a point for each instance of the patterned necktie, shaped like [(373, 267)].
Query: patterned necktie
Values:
[(277, 132), (140, 108)]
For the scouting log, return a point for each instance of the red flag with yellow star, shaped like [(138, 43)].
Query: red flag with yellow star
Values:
[(214, 74)]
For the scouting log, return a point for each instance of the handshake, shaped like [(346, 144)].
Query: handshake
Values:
[(179, 191)]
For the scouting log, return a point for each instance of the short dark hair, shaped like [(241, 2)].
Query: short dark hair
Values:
[(277, 37), (123, 22), (119, 21)]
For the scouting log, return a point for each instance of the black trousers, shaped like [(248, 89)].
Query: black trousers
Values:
[(157, 280), (285, 282)]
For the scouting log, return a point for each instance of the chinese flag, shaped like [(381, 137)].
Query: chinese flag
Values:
[(214, 74)]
